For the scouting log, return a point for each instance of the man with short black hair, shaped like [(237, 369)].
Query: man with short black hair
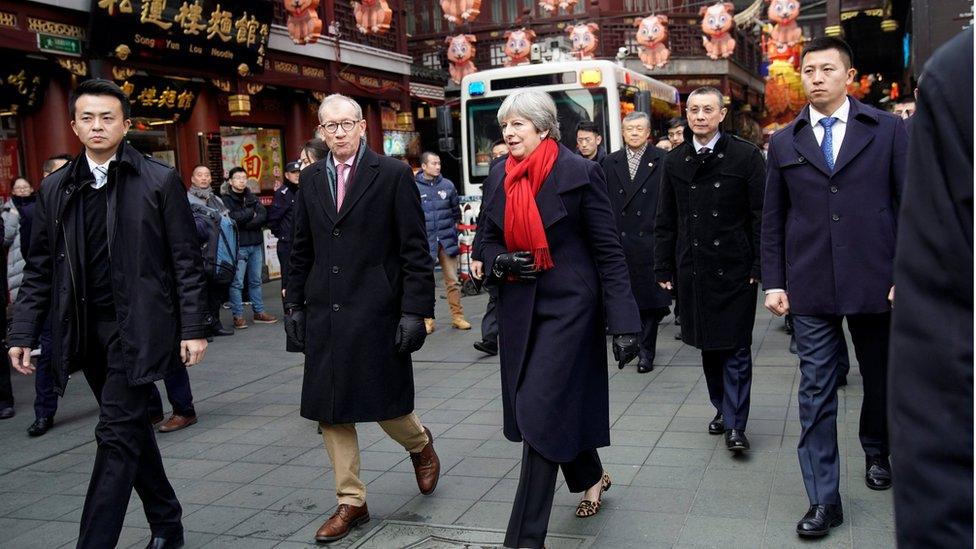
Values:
[(54, 164), (828, 239), (126, 297), (676, 131), (589, 142), (249, 214)]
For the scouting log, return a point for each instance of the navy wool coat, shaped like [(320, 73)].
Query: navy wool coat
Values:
[(829, 238), (356, 271), (634, 207), (552, 332), (442, 212)]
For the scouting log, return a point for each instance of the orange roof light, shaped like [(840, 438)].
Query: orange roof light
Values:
[(591, 77)]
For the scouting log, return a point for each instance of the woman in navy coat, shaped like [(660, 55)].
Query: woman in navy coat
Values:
[(551, 246)]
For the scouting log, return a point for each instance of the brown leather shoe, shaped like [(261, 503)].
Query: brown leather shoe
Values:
[(240, 323), (345, 518), (177, 422), (459, 323), (265, 318), (427, 466), (429, 325)]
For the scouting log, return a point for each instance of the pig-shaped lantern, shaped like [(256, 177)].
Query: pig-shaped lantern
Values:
[(717, 25), (584, 37), (461, 11), (785, 30), (372, 16), (518, 46), (460, 52), (652, 33)]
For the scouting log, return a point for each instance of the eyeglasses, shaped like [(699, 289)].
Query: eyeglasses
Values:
[(333, 127), (707, 110)]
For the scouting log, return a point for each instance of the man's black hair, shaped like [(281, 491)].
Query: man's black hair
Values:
[(99, 86), (316, 149), (677, 122), (588, 126), (425, 156), (498, 142), (234, 170), (48, 165), (829, 43)]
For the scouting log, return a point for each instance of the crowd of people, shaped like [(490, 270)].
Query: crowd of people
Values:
[(573, 246)]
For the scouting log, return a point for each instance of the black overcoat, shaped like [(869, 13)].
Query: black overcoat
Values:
[(158, 281), (930, 373), (356, 271), (634, 207), (707, 239), (552, 332)]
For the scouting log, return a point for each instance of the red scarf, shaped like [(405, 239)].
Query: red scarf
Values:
[(523, 224)]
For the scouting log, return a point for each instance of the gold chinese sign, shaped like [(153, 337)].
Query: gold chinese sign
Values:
[(22, 86), (153, 97), (228, 33)]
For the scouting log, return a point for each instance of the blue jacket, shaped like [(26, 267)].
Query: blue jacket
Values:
[(442, 211), (828, 238)]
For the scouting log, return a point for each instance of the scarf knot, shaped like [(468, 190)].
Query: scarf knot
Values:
[(524, 230)]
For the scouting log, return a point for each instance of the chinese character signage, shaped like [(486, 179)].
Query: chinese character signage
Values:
[(22, 85), (231, 33), (154, 97)]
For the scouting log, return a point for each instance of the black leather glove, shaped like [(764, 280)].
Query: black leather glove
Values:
[(410, 334), (625, 348), (294, 329), (517, 264)]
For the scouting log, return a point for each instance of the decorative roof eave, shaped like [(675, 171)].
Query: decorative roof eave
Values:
[(345, 52)]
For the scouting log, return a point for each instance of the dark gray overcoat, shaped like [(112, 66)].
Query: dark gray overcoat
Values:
[(707, 239), (356, 271), (552, 332)]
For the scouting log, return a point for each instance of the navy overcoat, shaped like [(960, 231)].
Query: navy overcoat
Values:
[(634, 207), (829, 238), (552, 332)]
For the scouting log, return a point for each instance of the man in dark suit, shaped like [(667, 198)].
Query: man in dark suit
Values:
[(706, 246), (931, 388), (362, 274), (633, 180), (834, 181)]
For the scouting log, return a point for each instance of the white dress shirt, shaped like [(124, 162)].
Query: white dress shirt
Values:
[(711, 142), (838, 130), (92, 165)]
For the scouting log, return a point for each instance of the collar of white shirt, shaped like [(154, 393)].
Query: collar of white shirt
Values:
[(711, 142), (840, 114), (92, 164)]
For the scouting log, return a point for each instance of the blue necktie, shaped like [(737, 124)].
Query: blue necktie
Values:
[(101, 176), (827, 144)]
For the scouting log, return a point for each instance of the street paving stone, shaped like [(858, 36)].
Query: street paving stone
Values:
[(253, 473)]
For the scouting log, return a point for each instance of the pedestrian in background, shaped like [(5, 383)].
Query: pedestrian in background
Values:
[(281, 218), (442, 212), (551, 247), (313, 151), (707, 250), (361, 284), (836, 174), (633, 184), (207, 205), (250, 215), (17, 214), (589, 141)]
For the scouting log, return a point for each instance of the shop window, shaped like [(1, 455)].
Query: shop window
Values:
[(632, 45), (498, 56), (432, 60), (155, 137), (258, 151)]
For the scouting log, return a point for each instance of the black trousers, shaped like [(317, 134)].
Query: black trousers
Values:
[(489, 323), (127, 454), (178, 392), (728, 375), (216, 296), (537, 485), (650, 319)]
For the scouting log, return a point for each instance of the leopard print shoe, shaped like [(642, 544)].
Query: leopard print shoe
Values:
[(587, 508)]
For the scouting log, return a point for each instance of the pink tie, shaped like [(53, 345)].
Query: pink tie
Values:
[(340, 184)]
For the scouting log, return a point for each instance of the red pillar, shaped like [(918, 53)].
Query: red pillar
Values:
[(48, 131), (204, 119), (300, 127)]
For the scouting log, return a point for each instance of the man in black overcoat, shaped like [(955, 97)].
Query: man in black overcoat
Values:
[(707, 246), (115, 260), (361, 284), (633, 182), (931, 371), (828, 245)]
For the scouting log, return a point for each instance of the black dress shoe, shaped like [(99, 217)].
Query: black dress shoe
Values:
[(717, 425), (819, 520), (645, 365), (736, 441), (877, 473), (7, 413), (487, 347), (793, 345), (219, 330), (40, 426), (171, 542)]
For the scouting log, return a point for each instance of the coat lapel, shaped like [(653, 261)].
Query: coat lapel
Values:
[(622, 170), (321, 194), (859, 135), (805, 144), (366, 173), (648, 163)]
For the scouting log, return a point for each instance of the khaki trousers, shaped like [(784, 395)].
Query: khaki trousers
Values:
[(449, 266), (342, 444)]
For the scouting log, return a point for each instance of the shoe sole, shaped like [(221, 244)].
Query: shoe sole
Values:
[(244, 327), (266, 321), (819, 533), (194, 422), (878, 488), (738, 449), (485, 350), (356, 523), (716, 431)]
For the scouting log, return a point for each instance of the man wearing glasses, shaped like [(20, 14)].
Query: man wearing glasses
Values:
[(707, 246), (361, 284)]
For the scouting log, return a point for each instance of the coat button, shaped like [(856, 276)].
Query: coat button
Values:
[(721, 272), (335, 269), (620, 191), (721, 155), (335, 307), (835, 217), (694, 215), (693, 187), (718, 184), (623, 213), (833, 188), (715, 242), (641, 233), (335, 232), (638, 213), (623, 233), (714, 213), (644, 191), (687, 159), (694, 242)]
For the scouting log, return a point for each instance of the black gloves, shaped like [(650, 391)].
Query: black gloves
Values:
[(294, 329), (625, 348), (517, 264), (410, 334)]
